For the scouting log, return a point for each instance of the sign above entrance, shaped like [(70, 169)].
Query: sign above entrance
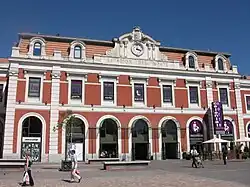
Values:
[(31, 139), (195, 128)]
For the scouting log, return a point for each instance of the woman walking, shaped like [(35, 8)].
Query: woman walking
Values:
[(27, 171), (74, 173)]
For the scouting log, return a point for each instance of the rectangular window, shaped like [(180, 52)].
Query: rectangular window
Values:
[(1, 92), (193, 95), (76, 89), (223, 96), (167, 94), (34, 87), (139, 92), (108, 91), (248, 102)]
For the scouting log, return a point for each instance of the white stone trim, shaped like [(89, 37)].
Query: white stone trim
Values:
[(31, 47), (170, 83), (27, 77), (194, 55), (130, 125), (139, 81), (194, 105), (187, 130), (76, 101), (72, 52), (19, 133), (161, 122), (245, 99), (98, 125), (86, 124), (108, 79), (217, 57), (228, 95)]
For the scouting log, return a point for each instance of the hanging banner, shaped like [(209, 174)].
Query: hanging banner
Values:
[(217, 113), (196, 132)]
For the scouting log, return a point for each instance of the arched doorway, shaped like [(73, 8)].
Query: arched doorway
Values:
[(1, 139), (32, 138), (140, 140), (108, 139), (196, 135), (75, 138), (229, 132), (169, 140)]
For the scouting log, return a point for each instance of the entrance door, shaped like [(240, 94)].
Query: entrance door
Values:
[(140, 141), (32, 138), (169, 140), (75, 138), (108, 139)]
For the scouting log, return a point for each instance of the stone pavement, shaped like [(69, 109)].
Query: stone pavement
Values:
[(161, 173)]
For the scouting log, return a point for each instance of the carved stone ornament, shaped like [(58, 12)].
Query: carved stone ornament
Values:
[(209, 84), (237, 85)]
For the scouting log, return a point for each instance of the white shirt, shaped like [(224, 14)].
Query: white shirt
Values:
[(194, 152), (74, 161)]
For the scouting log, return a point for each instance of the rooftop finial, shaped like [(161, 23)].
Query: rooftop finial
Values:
[(137, 28)]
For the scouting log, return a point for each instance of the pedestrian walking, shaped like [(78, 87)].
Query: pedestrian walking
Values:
[(74, 172), (194, 154), (224, 154), (27, 176)]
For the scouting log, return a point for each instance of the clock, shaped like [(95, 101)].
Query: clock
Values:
[(137, 49)]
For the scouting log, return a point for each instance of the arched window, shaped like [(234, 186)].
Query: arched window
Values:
[(37, 49), (220, 64), (191, 62), (77, 52)]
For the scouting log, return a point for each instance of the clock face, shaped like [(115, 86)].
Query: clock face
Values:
[(137, 49)]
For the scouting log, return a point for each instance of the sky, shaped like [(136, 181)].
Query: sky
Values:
[(215, 25)]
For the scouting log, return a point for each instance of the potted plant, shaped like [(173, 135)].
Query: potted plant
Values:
[(67, 124)]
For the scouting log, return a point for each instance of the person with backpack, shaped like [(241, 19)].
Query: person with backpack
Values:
[(27, 171)]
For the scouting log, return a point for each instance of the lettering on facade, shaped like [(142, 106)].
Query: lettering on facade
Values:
[(136, 62)]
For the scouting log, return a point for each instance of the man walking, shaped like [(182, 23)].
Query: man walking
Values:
[(224, 154), (194, 154), (74, 167), (27, 172)]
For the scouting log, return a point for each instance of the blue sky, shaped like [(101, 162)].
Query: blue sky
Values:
[(215, 25)]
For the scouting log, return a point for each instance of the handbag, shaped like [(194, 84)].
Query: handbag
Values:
[(25, 177)]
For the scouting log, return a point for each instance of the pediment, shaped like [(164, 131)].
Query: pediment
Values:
[(136, 45)]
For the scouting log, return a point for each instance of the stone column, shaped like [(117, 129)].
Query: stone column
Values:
[(239, 108), (10, 113), (54, 115)]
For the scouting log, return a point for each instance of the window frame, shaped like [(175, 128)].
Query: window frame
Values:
[(220, 60), (217, 57), (3, 94), (33, 41), (191, 57), (194, 105), (74, 95), (72, 51), (79, 50), (113, 102), (245, 97), (139, 103), (228, 95), (195, 57), (167, 83), (34, 99), (40, 49), (76, 78)]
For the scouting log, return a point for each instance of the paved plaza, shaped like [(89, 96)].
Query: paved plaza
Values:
[(174, 173)]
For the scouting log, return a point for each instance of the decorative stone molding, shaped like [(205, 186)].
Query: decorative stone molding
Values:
[(237, 85), (223, 58), (31, 47), (72, 48)]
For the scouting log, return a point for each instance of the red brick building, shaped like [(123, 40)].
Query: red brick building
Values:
[(132, 97)]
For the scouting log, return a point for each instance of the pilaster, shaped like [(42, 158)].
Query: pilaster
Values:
[(10, 113), (54, 114), (239, 108)]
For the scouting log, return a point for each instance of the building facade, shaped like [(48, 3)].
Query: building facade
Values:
[(131, 97)]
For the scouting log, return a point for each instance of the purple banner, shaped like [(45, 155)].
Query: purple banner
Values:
[(248, 131), (217, 113), (228, 127), (195, 128)]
